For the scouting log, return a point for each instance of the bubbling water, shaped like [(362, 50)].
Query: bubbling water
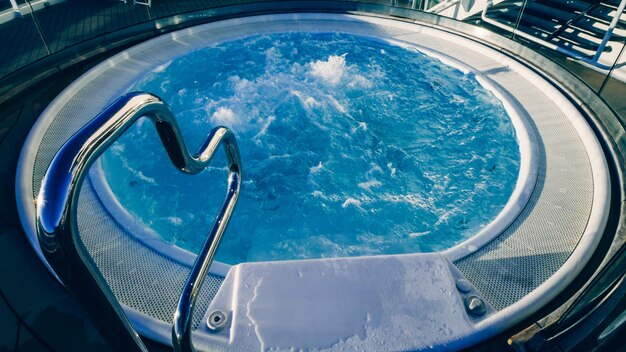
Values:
[(330, 70), (350, 146)]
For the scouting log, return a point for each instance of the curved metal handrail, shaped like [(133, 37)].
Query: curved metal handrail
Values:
[(183, 327), (58, 199)]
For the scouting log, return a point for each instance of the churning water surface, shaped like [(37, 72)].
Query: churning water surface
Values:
[(350, 146)]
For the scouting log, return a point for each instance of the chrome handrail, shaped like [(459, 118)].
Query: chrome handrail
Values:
[(183, 326), (57, 203)]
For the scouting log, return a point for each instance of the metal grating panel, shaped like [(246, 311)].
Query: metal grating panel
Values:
[(140, 277), (534, 247), (74, 115)]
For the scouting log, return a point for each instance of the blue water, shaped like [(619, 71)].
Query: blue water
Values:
[(350, 146)]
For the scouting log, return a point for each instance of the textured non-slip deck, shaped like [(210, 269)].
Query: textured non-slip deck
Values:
[(140, 277), (68, 23), (557, 226), (542, 238)]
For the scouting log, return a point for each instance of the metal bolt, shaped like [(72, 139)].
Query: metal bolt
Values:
[(463, 285), (475, 306), (217, 321)]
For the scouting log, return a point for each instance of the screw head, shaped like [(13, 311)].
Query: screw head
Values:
[(217, 321), (475, 306), (463, 285)]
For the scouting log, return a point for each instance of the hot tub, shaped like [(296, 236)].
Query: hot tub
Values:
[(530, 249)]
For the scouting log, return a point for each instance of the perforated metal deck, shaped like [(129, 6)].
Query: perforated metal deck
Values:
[(140, 277), (542, 238)]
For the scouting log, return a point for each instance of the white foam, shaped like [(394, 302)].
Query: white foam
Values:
[(374, 168), (361, 126), (174, 220), (272, 54), (145, 178), (351, 201), (224, 117), (369, 184), (447, 215), (316, 169), (140, 175), (336, 104), (142, 121), (412, 199), (358, 81), (266, 125), (310, 102), (118, 148), (243, 87), (330, 70), (281, 156)]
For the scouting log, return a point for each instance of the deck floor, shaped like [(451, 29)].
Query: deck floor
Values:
[(72, 22)]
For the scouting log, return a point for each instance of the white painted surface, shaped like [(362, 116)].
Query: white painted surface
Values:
[(342, 304)]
